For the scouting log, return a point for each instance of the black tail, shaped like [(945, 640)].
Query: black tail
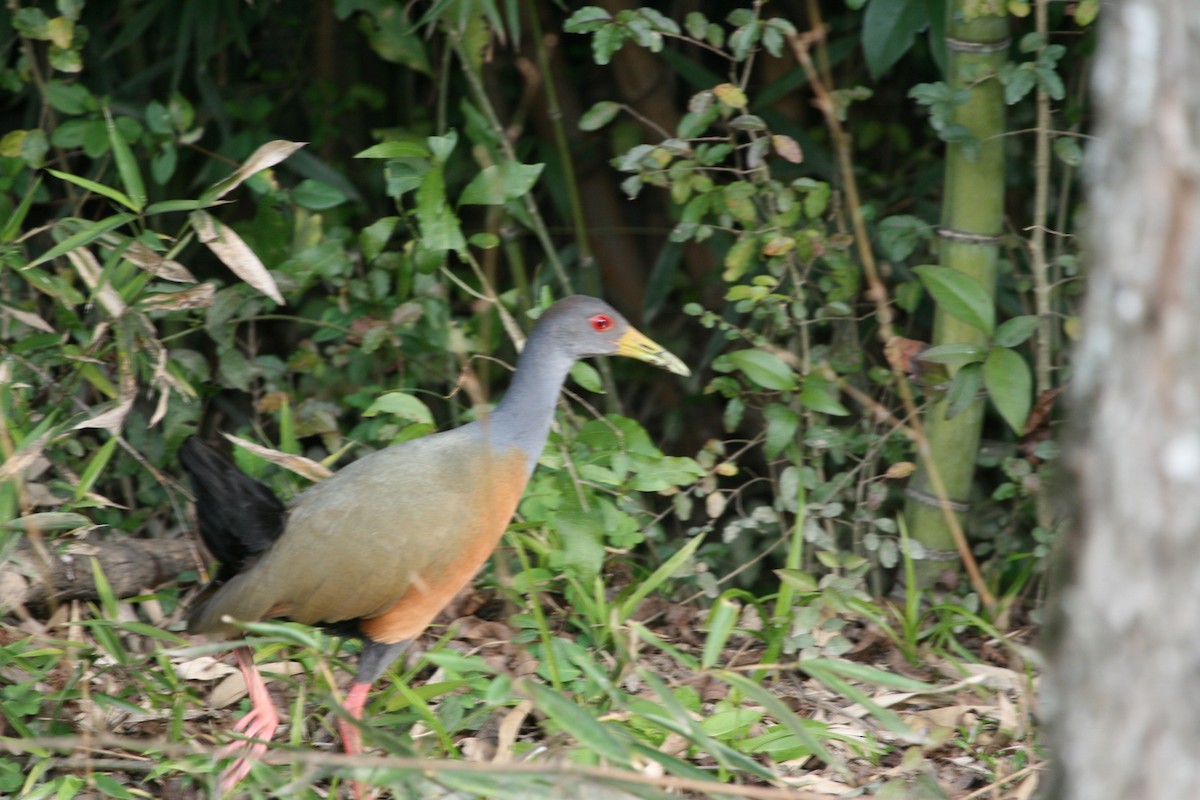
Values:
[(239, 517)]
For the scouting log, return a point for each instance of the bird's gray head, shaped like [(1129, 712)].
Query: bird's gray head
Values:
[(582, 326)]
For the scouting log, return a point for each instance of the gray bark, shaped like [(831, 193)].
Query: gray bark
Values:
[(1123, 692)]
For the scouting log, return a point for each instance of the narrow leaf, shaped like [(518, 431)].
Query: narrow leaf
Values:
[(127, 168), (395, 150), (98, 188), (85, 236)]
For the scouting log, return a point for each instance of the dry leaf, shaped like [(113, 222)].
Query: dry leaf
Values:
[(89, 269), (197, 297), (154, 263), (28, 318), (264, 157), (235, 254), (787, 148), (300, 465)]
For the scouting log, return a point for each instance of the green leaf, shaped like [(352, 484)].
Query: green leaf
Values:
[(959, 295), (316, 195), (98, 188), (579, 723), (1009, 383), (766, 369), (402, 405), (127, 168), (586, 376), (954, 353), (95, 466), (819, 395), (442, 146), (888, 30), (1014, 331), (440, 229), (581, 542), (83, 237), (799, 580), (964, 389), (781, 428), (12, 225), (900, 234), (395, 150), (721, 619), (659, 576), (739, 258), (599, 115), (1068, 151), (587, 20), (373, 238), (500, 183)]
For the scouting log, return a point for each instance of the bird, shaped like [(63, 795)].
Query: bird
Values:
[(379, 548)]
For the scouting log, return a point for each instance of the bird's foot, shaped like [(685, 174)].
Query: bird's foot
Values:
[(259, 724)]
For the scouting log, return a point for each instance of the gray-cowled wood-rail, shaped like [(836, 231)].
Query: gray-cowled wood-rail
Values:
[(380, 547)]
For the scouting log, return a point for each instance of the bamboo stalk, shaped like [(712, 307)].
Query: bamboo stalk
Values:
[(972, 222)]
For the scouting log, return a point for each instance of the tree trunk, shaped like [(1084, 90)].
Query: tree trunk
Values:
[(1124, 682)]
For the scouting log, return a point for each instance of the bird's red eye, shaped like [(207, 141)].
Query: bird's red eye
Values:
[(602, 322)]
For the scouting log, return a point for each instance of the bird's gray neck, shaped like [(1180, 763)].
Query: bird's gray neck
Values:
[(523, 417)]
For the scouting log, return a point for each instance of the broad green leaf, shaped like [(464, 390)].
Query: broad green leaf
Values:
[(599, 115), (587, 19), (781, 428), (739, 257), (440, 229), (586, 376), (373, 238), (400, 404), (395, 150), (959, 295), (964, 389), (888, 30), (1068, 151), (766, 369), (900, 234), (581, 542), (316, 195), (500, 183), (820, 396), (1011, 333), (1009, 383), (442, 146)]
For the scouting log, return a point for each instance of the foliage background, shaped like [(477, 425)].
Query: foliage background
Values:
[(672, 160)]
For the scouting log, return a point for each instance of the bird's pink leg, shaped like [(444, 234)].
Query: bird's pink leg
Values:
[(260, 723), (351, 735)]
